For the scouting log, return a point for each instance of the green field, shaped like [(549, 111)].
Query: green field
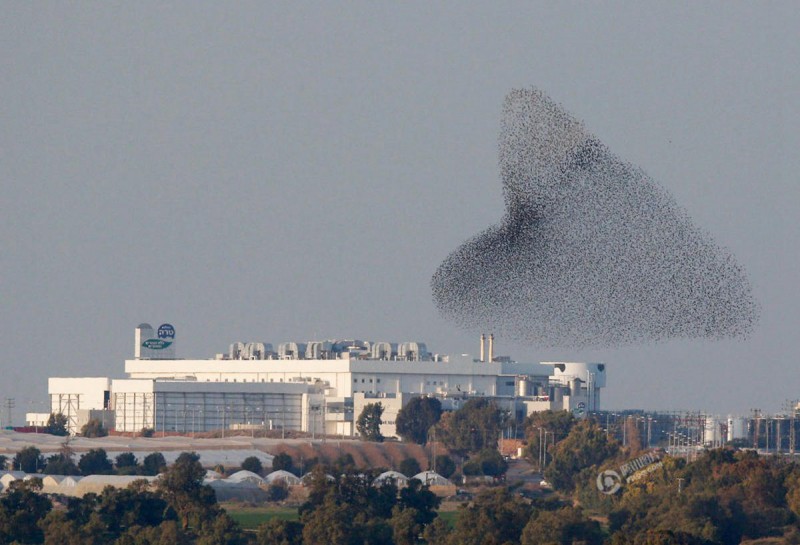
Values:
[(250, 518)]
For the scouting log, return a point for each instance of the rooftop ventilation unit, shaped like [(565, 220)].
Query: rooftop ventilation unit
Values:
[(384, 351), (236, 350), (412, 351), (257, 351), (291, 351)]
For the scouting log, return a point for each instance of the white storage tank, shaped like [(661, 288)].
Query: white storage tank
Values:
[(737, 428), (712, 434)]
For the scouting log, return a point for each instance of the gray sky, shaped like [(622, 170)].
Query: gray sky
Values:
[(284, 172)]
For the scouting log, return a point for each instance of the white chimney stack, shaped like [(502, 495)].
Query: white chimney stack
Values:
[(491, 347), (483, 345)]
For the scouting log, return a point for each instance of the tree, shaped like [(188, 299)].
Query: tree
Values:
[(136, 505), (153, 464), (445, 466), (331, 523), (405, 528), (57, 425), (344, 464), (220, 529), (369, 422), (487, 462), (95, 462), (585, 446), (277, 491), (94, 428), (415, 419), (419, 499), (280, 532), (494, 517), (60, 464), (283, 462), (492, 462), (29, 460), (437, 532), (409, 467), (22, 507), (556, 424), (126, 464), (473, 427), (182, 486), (567, 525), (3, 462), (251, 463)]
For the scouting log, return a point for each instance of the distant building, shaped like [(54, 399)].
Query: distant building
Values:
[(315, 387)]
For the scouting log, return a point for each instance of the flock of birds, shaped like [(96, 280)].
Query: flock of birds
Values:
[(591, 251)]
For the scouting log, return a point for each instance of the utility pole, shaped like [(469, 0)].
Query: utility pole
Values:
[(756, 422), (540, 449), (434, 448), (625, 431), (10, 404)]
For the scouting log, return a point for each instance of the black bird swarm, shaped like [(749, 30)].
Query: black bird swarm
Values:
[(591, 251)]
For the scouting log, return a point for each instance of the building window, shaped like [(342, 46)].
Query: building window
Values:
[(378, 381), (355, 381)]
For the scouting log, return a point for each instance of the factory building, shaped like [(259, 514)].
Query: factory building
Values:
[(316, 387)]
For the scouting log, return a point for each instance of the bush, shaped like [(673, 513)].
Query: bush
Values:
[(472, 467), (410, 467), (153, 464), (94, 428), (29, 460), (57, 425), (445, 466), (277, 492), (282, 461), (251, 463), (95, 462), (486, 462)]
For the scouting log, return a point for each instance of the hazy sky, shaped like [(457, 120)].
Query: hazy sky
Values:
[(289, 172)]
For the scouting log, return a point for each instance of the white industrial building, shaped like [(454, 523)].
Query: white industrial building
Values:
[(315, 387)]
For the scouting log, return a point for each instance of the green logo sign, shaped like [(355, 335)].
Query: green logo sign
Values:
[(156, 344)]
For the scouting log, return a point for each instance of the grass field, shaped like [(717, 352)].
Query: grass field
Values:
[(250, 518)]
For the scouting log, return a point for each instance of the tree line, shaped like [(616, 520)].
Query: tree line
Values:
[(92, 462)]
